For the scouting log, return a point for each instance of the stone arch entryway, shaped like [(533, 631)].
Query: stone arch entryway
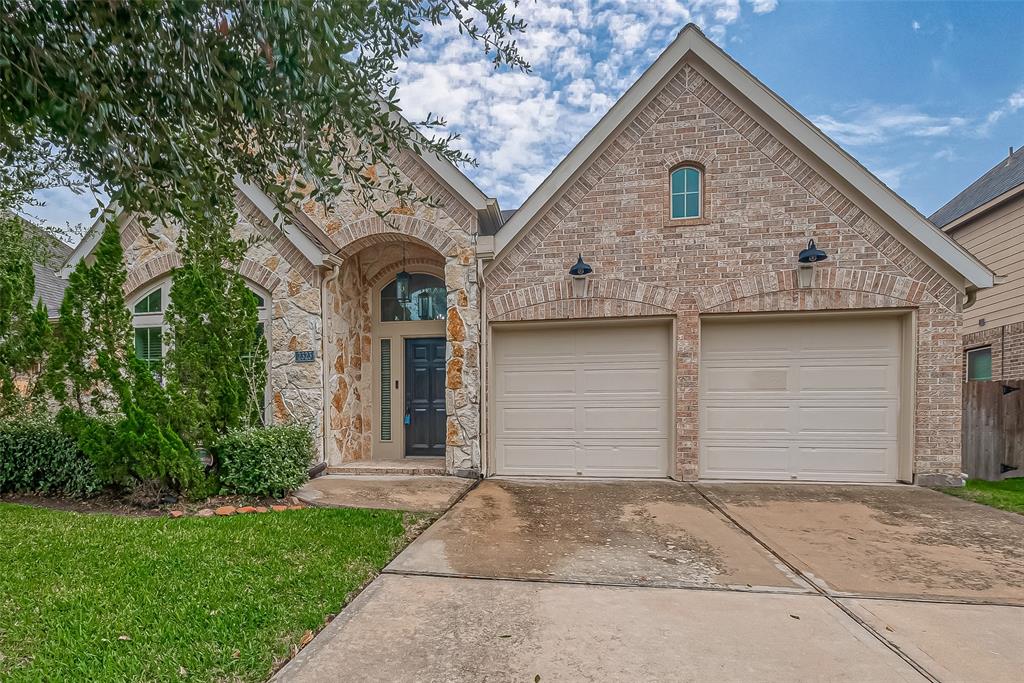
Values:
[(399, 375)]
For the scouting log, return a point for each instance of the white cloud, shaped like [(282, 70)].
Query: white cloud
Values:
[(915, 25), (584, 54), (1012, 104), (893, 175), (877, 124), (763, 6)]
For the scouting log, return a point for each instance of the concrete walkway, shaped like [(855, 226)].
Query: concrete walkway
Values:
[(384, 492), (628, 581)]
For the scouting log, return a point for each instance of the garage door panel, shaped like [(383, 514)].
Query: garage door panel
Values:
[(857, 421), (739, 378), (647, 420), (629, 458), (623, 381), (528, 420), (847, 464), (553, 459), (849, 377), (745, 461), (525, 384), (834, 417), (598, 404), (728, 419)]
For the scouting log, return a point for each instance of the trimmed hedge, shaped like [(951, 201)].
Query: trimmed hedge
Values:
[(265, 461), (36, 456)]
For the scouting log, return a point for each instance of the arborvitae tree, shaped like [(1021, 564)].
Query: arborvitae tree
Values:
[(215, 365), (94, 370), (95, 343), (24, 328)]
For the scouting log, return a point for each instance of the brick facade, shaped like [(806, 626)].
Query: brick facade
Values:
[(1007, 343), (762, 203)]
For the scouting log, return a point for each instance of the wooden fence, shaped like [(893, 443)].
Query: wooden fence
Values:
[(993, 429)]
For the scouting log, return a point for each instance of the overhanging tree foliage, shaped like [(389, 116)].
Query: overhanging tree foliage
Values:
[(162, 103)]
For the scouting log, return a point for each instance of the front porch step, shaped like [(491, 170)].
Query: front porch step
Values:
[(419, 467)]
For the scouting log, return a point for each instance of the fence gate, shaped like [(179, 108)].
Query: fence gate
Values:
[(993, 429)]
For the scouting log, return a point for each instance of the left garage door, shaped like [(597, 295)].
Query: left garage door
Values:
[(586, 399)]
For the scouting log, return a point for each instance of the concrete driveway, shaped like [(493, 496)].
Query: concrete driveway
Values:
[(626, 581)]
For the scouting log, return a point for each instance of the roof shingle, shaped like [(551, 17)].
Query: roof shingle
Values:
[(1001, 178)]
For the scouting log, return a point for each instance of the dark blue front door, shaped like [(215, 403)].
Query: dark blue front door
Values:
[(424, 397)]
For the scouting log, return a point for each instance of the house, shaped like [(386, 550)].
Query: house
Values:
[(49, 285), (698, 346), (988, 219)]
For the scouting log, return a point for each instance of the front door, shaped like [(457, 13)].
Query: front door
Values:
[(424, 397)]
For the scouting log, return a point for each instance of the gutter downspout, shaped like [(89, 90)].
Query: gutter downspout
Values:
[(335, 264)]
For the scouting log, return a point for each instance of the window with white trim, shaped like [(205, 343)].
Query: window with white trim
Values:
[(148, 310), (686, 188)]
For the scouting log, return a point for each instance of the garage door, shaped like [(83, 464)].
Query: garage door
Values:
[(582, 400), (800, 398)]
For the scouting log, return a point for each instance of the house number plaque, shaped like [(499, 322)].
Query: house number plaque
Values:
[(305, 356)]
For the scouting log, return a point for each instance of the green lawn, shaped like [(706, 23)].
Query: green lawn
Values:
[(1005, 495), (113, 598)]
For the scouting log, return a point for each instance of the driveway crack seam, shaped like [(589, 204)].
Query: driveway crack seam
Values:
[(821, 591)]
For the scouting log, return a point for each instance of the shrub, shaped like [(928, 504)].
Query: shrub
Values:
[(36, 456), (265, 461), (133, 448)]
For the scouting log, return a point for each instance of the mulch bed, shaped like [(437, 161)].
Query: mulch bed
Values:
[(111, 504)]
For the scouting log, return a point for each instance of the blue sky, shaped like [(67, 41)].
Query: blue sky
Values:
[(927, 95)]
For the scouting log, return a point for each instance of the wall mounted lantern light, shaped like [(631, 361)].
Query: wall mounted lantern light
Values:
[(808, 257), (402, 283), (579, 273)]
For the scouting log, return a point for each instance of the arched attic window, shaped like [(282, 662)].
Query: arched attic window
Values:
[(687, 192), (428, 300)]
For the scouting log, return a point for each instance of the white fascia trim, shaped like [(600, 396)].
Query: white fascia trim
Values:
[(690, 39), (92, 237), (267, 207)]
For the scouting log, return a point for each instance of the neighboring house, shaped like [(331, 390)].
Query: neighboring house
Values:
[(49, 284), (698, 347), (988, 219)]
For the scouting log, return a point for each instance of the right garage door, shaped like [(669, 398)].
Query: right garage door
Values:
[(800, 398)]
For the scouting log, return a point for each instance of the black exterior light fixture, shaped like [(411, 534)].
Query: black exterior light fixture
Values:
[(402, 283), (579, 273), (808, 257)]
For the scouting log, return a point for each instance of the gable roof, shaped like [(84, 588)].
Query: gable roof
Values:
[(998, 180), (306, 244), (692, 41)]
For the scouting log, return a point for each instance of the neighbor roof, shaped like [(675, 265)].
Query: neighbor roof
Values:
[(692, 41), (49, 285), (1000, 179)]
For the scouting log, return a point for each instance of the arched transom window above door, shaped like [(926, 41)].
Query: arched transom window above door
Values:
[(427, 300)]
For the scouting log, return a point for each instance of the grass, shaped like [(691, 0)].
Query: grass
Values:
[(1005, 495), (115, 598)]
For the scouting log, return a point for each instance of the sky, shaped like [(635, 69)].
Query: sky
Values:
[(927, 95)]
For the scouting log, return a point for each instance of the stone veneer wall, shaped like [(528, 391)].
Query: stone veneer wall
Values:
[(762, 204), (449, 231), (294, 286)]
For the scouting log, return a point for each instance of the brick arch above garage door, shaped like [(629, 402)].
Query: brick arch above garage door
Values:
[(829, 286), (600, 299)]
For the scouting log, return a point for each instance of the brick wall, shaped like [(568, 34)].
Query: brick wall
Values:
[(762, 204), (1007, 342)]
